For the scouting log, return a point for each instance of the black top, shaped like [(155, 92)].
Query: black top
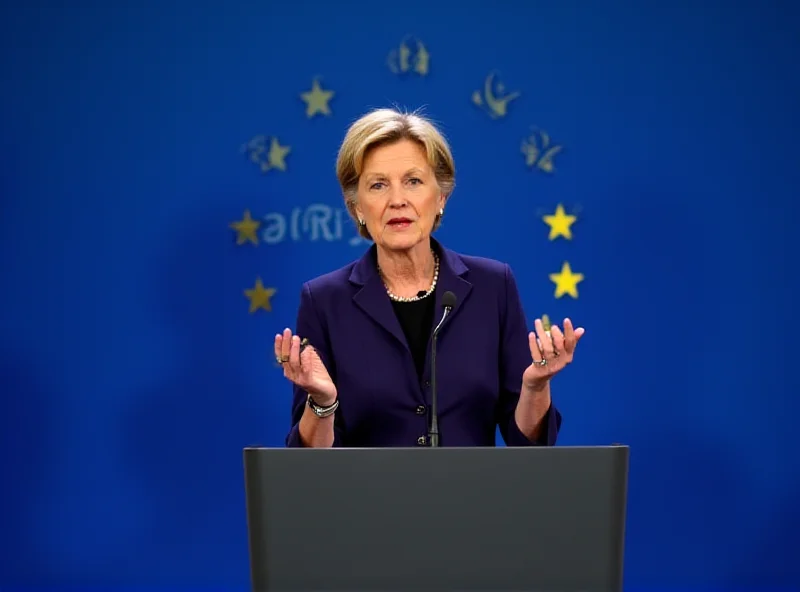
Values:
[(416, 319)]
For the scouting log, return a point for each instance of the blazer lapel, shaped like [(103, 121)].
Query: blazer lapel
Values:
[(451, 272), (372, 297), (374, 301)]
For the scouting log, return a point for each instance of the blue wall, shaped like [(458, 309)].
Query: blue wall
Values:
[(133, 373)]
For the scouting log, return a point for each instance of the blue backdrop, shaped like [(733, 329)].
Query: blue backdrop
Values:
[(133, 370)]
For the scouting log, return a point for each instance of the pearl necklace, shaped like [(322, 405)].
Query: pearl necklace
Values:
[(430, 290)]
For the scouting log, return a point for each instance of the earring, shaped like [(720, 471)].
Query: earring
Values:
[(361, 221), (441, 212)]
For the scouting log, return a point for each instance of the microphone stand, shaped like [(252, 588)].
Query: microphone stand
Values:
[(433, 431)]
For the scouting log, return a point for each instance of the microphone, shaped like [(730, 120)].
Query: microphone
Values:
[(448, 302)]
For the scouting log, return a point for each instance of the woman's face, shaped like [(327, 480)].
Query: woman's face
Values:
[(398, 197)]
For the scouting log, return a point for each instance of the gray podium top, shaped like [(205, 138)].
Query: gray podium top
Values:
[(545, 519)]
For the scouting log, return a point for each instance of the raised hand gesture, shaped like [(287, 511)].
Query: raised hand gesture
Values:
[(551, 351), (303, 366)]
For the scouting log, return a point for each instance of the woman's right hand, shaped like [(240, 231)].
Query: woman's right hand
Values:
[(305, 369)]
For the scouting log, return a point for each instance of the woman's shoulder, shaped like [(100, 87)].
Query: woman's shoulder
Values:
[(480, 267), (331, 281), (484, 264)]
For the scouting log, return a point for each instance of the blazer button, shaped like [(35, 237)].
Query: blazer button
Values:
[(421, 410), (421, 440)]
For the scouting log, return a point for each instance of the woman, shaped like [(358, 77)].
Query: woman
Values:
[(364, 378)]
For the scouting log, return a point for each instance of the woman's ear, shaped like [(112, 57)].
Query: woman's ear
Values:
[(352, 206)]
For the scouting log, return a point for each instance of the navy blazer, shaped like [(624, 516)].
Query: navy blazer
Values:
[(482, 351)]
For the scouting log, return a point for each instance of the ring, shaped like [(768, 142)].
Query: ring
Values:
[(278, 359), (542, 362)]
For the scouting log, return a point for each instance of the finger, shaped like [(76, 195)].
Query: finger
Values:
[(306, 350), (286, 344), (294, 356), (558, 339), (544, 339), (533, 343), (569, 337), (277, 346)]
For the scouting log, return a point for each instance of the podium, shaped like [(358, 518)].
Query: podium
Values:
[(543, 519)]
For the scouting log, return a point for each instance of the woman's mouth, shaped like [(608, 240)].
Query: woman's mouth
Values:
[(399, 223)]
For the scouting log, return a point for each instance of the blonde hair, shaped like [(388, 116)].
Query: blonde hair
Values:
[(386, 126)]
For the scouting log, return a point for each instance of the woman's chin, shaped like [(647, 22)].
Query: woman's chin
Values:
[(404, 241)]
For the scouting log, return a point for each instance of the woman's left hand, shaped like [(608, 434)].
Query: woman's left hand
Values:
[(551, 352)]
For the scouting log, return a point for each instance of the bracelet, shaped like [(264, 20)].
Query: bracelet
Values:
[(322, 411)]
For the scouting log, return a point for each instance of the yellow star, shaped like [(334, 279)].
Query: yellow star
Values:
[(259, 297), (276, 157), (559, 223), (566, 282), (317, 100), (246, 229)]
